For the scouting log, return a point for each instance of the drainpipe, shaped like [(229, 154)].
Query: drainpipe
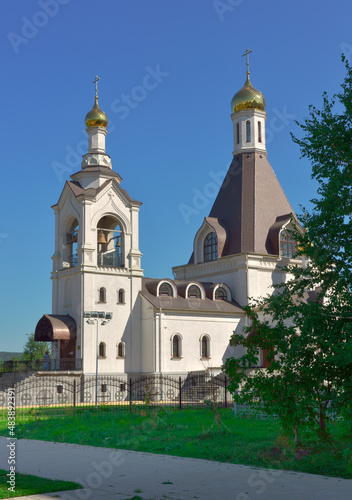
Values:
[(247, 279), (160, 354)]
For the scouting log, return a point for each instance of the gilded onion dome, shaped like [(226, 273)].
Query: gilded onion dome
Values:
[(248, 98), (96, 117)]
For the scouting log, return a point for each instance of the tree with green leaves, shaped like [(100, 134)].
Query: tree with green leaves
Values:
[(305, 325), (34, 351)]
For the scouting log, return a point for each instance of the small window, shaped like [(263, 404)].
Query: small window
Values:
[(194, 292), (59, 389), (102, 294), (165, 290), (220, 294), (102, 350), (205, 346), (121, 296), (259, 132), (121, 350), (210, 247), (238, 133), (288, 246), (176, 346), (104, 388), (248, 131)]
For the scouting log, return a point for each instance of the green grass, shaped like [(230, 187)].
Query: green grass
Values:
[(191, 433), (31, 485)]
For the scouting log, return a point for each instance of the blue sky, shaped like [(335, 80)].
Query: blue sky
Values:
[(170, 143)]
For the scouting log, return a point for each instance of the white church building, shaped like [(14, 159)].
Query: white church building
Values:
[(163, 326)]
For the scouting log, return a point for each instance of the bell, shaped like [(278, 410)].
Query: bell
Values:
[(102, 237), (118, 243)]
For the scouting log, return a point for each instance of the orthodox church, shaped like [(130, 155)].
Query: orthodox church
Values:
[(107, 318)]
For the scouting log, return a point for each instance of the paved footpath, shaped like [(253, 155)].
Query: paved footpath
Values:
[(119, 474)]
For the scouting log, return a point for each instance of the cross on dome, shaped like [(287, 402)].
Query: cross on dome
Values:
[(248, 51), (96, 85)]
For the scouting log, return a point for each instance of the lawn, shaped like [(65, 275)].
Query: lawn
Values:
[(194, 433), (30, 485)]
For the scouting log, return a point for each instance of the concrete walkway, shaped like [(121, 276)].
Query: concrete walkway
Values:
[(118, 474)]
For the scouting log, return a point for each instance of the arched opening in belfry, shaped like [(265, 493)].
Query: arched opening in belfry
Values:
[(110, 242), (71, 243)]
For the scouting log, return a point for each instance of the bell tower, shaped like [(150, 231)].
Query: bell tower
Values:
[(97, 261)]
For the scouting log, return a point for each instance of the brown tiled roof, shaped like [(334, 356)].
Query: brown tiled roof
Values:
[(180, 303), (77, 190), (248, 204), (97, 169)]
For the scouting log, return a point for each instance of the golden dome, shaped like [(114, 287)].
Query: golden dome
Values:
[(248, 98), (96, 117)]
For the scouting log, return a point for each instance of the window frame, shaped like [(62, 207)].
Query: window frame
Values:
[(102, 295), (248, 131), (210, 242), (121, 350), (259, 131), (223, 291), (121, 296), (199, 292), (102, 350), (205, 341), (164, 285), (291, 245), (176, 354)]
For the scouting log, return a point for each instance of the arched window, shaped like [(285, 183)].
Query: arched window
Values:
[(238, 133), (248, 131), (102, 294), (176, 346), (194, 292), (205, 346), (288, 246), (165, 290), (110, 242), (210, 247), (71, 242), (121, 350), (121, 296), (220, 294), (102, 350), (259, 132)]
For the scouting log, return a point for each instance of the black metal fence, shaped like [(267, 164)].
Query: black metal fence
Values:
[(62, 364), (52, 393)]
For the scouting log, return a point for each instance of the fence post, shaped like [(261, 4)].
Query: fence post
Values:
[(179, 393), (74, 396), (225, 392), (130, 395)]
